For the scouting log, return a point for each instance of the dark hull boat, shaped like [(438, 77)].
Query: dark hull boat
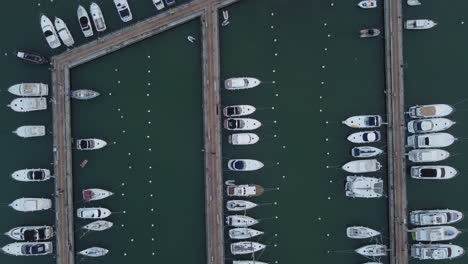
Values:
[(31, 57)]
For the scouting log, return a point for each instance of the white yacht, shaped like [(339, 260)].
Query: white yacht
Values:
[(435, 217), (243, 233), (159, 4), (248, 262), (429, 125), (63, 32), (29, 89), (123, 9), (241, 83), (364, 137), (369, 32), (84, 94), (241, 124), (30, 131), (431, 140), (31, 233), (246, 247), (243, 139), (434, 233), (429, 111), (366, 4), (364, 121), (437, 172), (419, 24), (238, 110), (413, 2), (244, 190), (49, 32), (94, 252), (240, 221), (373, 250), (28, 248), (244, 165), (98, 17), (93, 213), (31, 204), (365, 152), (85, 22), (95, 194), (31, 175), (436, 251), (428, 155), (99, 225), (362, 166), (90, 144), (361, 232), (240, 205), (28, 104), (363, 187)]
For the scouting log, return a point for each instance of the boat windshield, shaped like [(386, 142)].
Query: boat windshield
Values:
[(426, 141), (239, 165), (233, 110), (429, 173), (84, 22), (35, 175)]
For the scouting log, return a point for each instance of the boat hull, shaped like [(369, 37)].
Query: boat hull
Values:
[(31, 204)]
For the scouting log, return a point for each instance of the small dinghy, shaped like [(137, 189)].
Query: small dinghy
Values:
[(31, 204), (366, 4), (361, 232), (364, 137), (31, 233), (241, 83), (28, 248), (94, 252), (29, 89), (365, 152), (90, 144), (246, 247), (240, 205), (434, 233), (49, 32), (364, 121), (362, 166), (99, 225), (98, 17), (436, 251), (93, 213), (240, 221), (363, 187), (428, 155), (84, 94), (244, 190), (369, 33), (95, 194), (28, 104), (63, 32), (85, 22), (243, 233), (372, 250), (419, 24), (241, 124), (243, 139), (429, 125), (238, 110), (30, 131), (435, 217), (429, 111), (31, 175), (244, 165), (31, 57), (431, 140), (437, 172)]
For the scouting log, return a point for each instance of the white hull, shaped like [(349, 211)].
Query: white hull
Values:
[(31, 175), (240, 124), (90, 144), (366, 4), (99, 225), (429, 111), (29, 89), (123, 9), (49, 32), (94, 252), (244, 165), (419, 24), (31, 204), (436, 251), (93, 213), (434, 233), (428, 155), (435, 217), (238, 110), (363, 187), (159, 4), (243, 139), (373, 250), (246, 247), (431, 140), (362, 166), (244, 190), (63, 32), (433, 172), (28, 248), (413, 2), (31, 233), (365, 152), (240, 221), (361, 232), (243, 233), (95, 194), (84, 21), (364, 137), (84, 94), (30, 131), (241, 83), (429, 125), (98, 17), (240, 205), (28, 104), (364, 121)]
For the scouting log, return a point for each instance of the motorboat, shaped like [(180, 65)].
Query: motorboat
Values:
[(85, 22), (159, 4), (238, 110), (365, 152), (419, 24), (30, 131), (98, 17), (429, 125), (241, 124), (28, 104), (244, 165), (123, 9), (49, 32), (94, 252), (240, 205), (430, 111), (243, 139), (366, 4), (95, 194), (413, 2), (31, 175), (361, 232), (240, 83), (363, 121), (31, 204), (363, 187), (93, 213), (31, 57), (246, 247), (362, 166), (84, 94), (240, 221), (431, 140), (369, 32), (372, 250), (243, 233), (63, 32), (28, 248), (435, 217), (437, 172), (29, 89), (90, 144), (428, 155), (244, 190), (364, 137), (31, 233), (434, 233), (436, 251), (248, 262), (99, 225)]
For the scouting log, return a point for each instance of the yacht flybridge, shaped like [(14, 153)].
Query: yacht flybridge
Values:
[(364, 121), (362, 166), (419, 24), (85, 22), (243, 233), (431, 140), (429, 125), (436, 251), (363, 187), (435, 217), (63, 32)]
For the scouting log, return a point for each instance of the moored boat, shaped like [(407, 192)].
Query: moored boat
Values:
[(372, 250), (85, 22), (93, 213), (365, 152), (31, 204), (431, 140), (99, 225), (63, 32), (238, 110), (241, 124), (30, 131), (436, 251), (362, 166), (429, 111), (31, 57), (94, 252), (123, 9), (95, 194), (244, 190), (366, 4), (31, 233), (98, 17), (90, 144), (437, 172), (434, 233), (29, 89), (363, 187), (31, 175), (28, 248), (246, 247), (240, 221), (49, 32), (84, 94), (363, 121), (243, 233), (243, 139), (244, 165), (241, 83), (419, 24), (240, 205), (435, 217), (428, 155), (369, 33), (429, 125), (28, 104), (361, 232), (364, 137)]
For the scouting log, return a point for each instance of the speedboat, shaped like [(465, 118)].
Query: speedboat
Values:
[(364, 137), (433, 172), (240, 221), (373, 250), (366, 4), (31, 233), (244, 190), (419, 24), (30, 131), (31, 204), (431, 140), (434, 233), (28, 248), (84, 94), (248, 262), (241, 83), (240, 205), (365, 152), (363, 187), (241, 124), (124, 10), (364, 121), (31, 57), (90, 144), (85, 23), (428, 155), (98, 17), (429, 125), (95, 194), (99, 225), (361, 232), (243, 139), (63, 32), (29, 89), (93, 213), (244, 165), (31, 175), (94, 252), (243, 233), (49, 32), (435, 217), (28, 104), (158, 4), (238, 110), (429, 111), (246, 247), (362, 166), (436, 251), (369, 32)]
